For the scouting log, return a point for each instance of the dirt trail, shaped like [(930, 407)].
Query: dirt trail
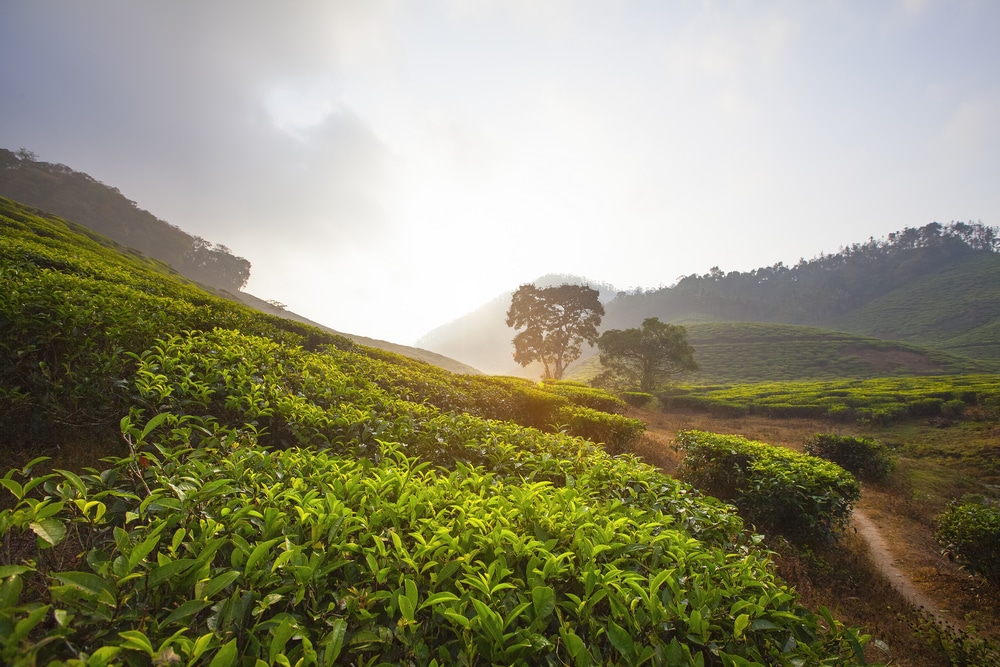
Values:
[(886, 563), (660, 433)]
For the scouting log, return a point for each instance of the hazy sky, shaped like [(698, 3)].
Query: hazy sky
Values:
[(390, 165)]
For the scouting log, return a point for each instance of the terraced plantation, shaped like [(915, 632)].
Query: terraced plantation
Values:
[(876, 401), (232, 488)]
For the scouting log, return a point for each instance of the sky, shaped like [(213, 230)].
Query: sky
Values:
[(390, 165)]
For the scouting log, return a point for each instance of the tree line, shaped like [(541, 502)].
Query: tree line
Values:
[(821, 290)]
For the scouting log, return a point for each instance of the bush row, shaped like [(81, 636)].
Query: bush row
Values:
[(866, 458), (799, 496), (340, 559), (879, 401)]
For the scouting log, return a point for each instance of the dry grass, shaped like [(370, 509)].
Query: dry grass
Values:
[(843, 578)]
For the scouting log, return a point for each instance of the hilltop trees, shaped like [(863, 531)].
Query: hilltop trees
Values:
[(556, 320), (645, 357)]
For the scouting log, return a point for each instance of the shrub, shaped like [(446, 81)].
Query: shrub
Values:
[(802, 497), (614, 431), (970, 533), (866, 458), (587, 397), (638, 399)]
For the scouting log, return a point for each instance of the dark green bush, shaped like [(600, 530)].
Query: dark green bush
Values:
[(615, 432), (638, 399), (867, 459), (802, 497), (970, 533), (587, 397)]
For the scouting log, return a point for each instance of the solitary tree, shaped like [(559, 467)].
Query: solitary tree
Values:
[(555, 321), (645, 357)]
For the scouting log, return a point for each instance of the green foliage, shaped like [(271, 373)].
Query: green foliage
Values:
[(587, 397), (962, 647), (389, 561), (289, 497), (555, 322), (760, 352), (638, 399), (913, 286), (644, 358), (879, 401), (970, 532), (78, 197), (614, 431), (799, 496), (866, 458)]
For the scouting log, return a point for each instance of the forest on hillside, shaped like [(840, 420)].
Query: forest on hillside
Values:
[(821, 290), (78, 197)]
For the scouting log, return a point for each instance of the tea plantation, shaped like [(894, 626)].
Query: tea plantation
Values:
[(272, 494)]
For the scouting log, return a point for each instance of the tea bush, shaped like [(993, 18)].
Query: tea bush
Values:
[(231, 552), (587, 397), (614, 431), (638, 399), (866, 458), (799, 496), (970, 533), (290, 497)]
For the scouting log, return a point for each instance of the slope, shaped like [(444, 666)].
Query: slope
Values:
[(757, 352), (76, 196), (276, 494), (955, 309)]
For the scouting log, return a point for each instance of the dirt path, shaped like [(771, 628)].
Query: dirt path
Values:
[(886, 563), (656, 448)]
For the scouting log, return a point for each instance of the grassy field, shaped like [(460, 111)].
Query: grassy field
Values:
[(936, 463)]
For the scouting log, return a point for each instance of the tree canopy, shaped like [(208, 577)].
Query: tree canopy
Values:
[(555, 322), (645, 357)]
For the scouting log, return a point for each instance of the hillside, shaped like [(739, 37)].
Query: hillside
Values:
[(272, 493), (76, 196), (417, 353), (936, 288), (756, 352)]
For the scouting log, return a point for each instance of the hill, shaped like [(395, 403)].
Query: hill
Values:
[(76, 196), (419, 354), (757, 352), (936, 288), (272, 493)]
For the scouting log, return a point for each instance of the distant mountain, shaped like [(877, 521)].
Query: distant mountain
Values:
[(936, 288), (483, 339), (419, 354)]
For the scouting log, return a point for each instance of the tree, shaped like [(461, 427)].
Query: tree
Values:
[(556, 320), (646, 357)]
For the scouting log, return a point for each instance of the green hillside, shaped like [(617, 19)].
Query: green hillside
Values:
[(934, 287), (274, 494), (758, 352), (955, 309)]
